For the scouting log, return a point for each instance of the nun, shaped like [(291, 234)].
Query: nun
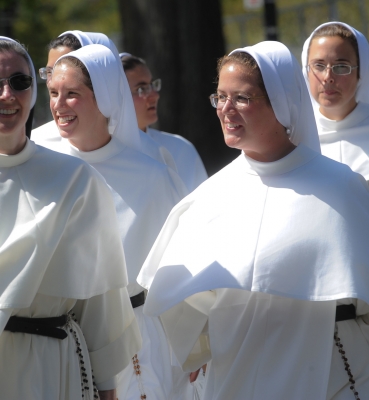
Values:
[(335, 61), (263, 270), (67, 328)]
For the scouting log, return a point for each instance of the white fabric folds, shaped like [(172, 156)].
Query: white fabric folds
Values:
[(248, 268), (70, 222), (286, 90)]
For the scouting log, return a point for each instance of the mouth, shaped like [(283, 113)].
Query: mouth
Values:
[(65, 120), (231, 126), (8, 111)]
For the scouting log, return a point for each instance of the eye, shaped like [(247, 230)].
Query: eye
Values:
[(242, 99), (342, 69), (319, 67), (222, 98)]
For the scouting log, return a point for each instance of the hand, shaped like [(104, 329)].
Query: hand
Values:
[(108, 394)]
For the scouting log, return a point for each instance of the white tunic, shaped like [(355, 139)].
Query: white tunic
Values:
[(247, 271), (347, 141), (144, 194), (188, 162), (60, 251)]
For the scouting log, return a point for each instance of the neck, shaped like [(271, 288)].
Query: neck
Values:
[(338, 114), (272, 155), (93, 143), (9, 146)]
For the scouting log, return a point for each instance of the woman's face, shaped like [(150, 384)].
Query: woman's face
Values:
[(14, 105), (334, 93), (75, 110), (146, 107), (254, 129)]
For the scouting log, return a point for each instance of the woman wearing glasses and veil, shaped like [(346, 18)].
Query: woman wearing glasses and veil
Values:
[(67, 327), (263, 270), (335, 61)]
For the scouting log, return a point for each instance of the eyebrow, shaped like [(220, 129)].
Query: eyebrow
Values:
[(337, 60)]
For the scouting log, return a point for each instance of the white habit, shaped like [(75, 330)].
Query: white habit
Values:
[(144, 192), (346, 141), (248, 269), (60, 251), (188, 162)]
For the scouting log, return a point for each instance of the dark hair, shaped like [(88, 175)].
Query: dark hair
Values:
[(131, 62), (341, 31), (75, 62), (249, 65), (67, 40)]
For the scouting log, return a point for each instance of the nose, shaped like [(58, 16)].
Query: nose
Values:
[(328, 74), (228, 106), (57, 103), (6, 92)]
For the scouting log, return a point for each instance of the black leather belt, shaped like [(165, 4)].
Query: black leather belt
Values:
[(38, 326), (138, 300), (345, 312)]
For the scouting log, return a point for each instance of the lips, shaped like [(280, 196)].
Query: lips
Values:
[(8, 111), (66, 119)]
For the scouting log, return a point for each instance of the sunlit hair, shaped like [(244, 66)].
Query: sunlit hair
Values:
[(341, 31), (8, 46), (130, 62), (249, 66), (76, 63), (67, 40)]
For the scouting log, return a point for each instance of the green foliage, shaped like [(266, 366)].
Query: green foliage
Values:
[(39, 21)]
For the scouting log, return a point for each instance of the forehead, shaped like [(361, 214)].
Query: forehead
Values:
[(12, 62), (66, 74), (138, 75), (54, 54), (333, 47), (237, 77)]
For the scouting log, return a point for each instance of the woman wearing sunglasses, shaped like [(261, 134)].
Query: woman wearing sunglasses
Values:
[(335, 61), (145, 93), (67, 327)]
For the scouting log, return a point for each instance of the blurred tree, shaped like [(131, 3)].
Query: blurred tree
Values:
[(181, 42)]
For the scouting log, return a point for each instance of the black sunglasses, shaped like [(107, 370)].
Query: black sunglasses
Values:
[(18, 82)]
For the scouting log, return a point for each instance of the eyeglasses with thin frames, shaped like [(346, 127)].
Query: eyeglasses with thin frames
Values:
[(145, 90), (240, 102), (18, 82), (45, 72), (337, 69)]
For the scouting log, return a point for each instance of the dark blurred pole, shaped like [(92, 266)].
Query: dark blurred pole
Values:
[(181, 42), (270, 20)]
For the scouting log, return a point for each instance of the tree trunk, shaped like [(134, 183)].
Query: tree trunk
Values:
[(181, 41)]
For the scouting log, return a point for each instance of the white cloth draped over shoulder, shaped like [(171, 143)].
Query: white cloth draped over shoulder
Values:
[(257, 257), (347, 140), (60, 250)]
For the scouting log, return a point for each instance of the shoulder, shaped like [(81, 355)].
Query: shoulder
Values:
[(171, 138)]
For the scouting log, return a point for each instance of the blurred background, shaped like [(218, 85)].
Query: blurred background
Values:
[(181, 40)]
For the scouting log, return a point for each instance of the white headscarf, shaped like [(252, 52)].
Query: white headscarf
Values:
[(32, 71), (106, 77), (362, 93), (128, 133), (286, 90)]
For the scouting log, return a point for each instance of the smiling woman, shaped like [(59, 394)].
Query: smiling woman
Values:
[(61, 261), (336, 68), (264, 268)]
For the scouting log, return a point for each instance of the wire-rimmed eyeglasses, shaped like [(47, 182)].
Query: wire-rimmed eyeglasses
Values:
[(337, 69), (18, 82), (45, 72), (218, 100), (145, 90)]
